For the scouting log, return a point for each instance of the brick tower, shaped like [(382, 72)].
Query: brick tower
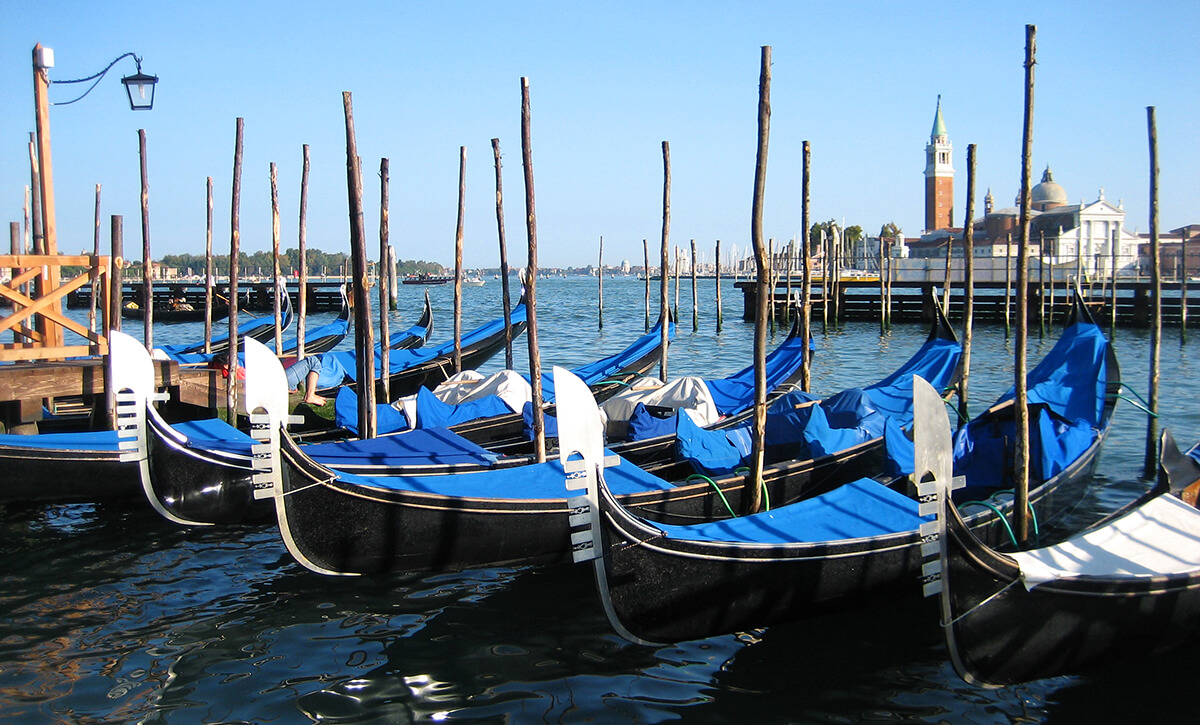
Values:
[(939, 176)]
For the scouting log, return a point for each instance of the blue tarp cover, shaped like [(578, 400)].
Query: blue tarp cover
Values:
[(535, 481), (337, 327), (433, 413), (711, 452), (645, 424), (936, 362), (430, 445), (401, 360), (1071, 379), (249, 325), (736, 392), (101, 440), (214, 434), (856, 510), (345, 413)]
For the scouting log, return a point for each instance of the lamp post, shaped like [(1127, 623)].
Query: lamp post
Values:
[(140, 89)]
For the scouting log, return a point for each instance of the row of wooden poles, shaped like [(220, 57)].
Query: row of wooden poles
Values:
[(765, 280)]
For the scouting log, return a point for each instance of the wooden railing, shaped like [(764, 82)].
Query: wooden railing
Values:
[(37, 318)]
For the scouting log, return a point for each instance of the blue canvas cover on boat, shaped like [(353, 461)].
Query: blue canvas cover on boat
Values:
[(900, 451), (1072, 378), (936, 361), (644, 423), (985, 448), (214, 434), (787, 417), (100, 440), (856, 510), (535, 481), (433, 413), (401, 360), (416, 447), (823, 438), (736, 392), (599, 370), (249, 325), (345, 414), (711, 452), (549, 422)]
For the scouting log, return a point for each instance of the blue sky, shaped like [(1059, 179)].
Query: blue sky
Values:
[(609, 83)]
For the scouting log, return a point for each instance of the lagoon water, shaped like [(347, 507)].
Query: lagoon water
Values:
[(112, 614)]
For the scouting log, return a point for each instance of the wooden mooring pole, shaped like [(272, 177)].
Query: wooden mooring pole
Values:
[(147, 260), (234, 251), (208, 266), (385, 276), (968, 289), (717, 267), (806, 283), (1156, 302), (364, 342), (506, 300), (695, 298), (600, 286), (752, 495), (1021, 464), (276, 296), (116, 251), (535, 361), (302, 288), (663, 307), (458, 254), (93, 297), (1183, 286), (646, 267)]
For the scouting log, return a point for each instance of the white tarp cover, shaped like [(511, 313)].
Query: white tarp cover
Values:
[(469, 385), (688, 393), (1160, 538)]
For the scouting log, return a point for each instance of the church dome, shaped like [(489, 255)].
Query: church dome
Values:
[(1047, 194)]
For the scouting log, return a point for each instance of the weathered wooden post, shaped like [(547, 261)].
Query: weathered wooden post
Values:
[(393, 301), (720, 310), (946, 276), (95, 252), (677, 276), (535, 360), (302, 283), (1021, 464), (600, 286), (695, 298), (1156, 303), (385, 275), (1112, 304), (646, 267), (458, 252), (208, 266), (883, 321), (1007, 285), (234, 251), (116, 251), (663, 308), (147, 260), (1042, 285), (806, 283), (364, 343), (277, 302), (508, 350), (752, 494), (968, 288), (772, 280)]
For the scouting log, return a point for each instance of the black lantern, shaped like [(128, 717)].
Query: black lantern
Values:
[(140, 88)]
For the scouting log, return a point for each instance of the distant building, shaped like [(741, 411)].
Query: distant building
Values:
[(939, 176)]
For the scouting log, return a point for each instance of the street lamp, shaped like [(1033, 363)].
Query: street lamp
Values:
[(139, 86)]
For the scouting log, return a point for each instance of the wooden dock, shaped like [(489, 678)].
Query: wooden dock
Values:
[(911, 301), (254, 296)]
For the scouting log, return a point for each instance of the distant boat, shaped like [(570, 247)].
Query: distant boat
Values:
[(475, 281), (425, 278)]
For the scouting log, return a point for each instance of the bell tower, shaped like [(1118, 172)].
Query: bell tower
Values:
[(939, 176)]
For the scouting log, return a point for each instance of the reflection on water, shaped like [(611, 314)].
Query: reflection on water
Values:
[(109, 613)]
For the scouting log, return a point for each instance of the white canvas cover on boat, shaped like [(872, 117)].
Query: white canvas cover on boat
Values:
[(690, 393), (1159, 538), (470, 385)]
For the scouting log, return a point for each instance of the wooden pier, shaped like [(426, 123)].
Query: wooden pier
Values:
[(254, 296), (912, 302)]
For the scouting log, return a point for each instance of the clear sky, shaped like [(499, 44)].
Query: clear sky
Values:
[(609, 83)]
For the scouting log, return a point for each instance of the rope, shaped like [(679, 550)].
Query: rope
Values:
[(1006, 587)]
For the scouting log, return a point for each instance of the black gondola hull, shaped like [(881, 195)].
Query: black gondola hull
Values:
[(53, 476)]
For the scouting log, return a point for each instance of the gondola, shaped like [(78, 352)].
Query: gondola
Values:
[(335, 522), (259, 328), (428, 366), (204, 471), (1127, 588), (488, 417), (169, 315), (90, 466), (427, 279), (316, 340), (855, 544)]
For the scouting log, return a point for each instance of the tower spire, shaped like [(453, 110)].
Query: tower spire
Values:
[(939, 176)]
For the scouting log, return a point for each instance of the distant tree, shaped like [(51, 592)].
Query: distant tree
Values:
[(891, 229)]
